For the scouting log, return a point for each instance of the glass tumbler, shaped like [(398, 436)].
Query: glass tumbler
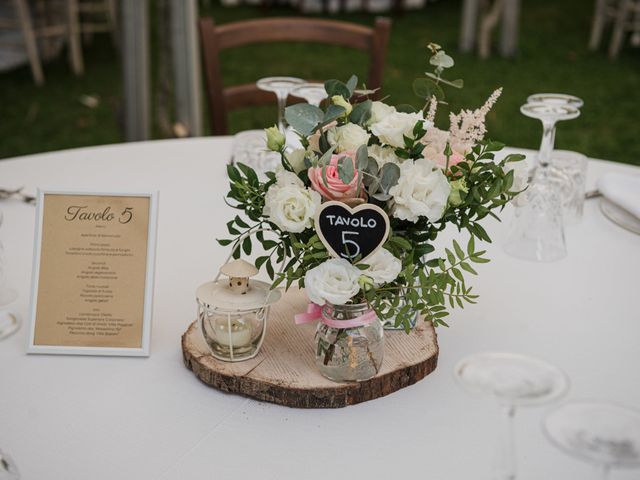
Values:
[(573, 167)]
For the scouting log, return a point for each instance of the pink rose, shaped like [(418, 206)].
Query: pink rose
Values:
[(335, 189), (441, 159)]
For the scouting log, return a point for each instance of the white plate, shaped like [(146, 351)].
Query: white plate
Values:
[(620, 216)]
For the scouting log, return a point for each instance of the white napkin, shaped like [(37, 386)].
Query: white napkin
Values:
[(623, 190)]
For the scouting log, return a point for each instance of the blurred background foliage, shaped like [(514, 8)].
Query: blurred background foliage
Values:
[(553, 57)]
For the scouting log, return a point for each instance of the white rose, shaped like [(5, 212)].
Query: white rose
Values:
[(296, 159), (334, 281), (348, 137), (289, 205), (379, 110), (421, 191), (383, 155), (392, 128), (383, 267), (520, 180)]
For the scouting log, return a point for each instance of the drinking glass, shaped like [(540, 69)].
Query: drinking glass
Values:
[(570, 171), (513, 380), (250, 147), (313, 93), (572, 166), (604, 434), (9, 321), (538, 230), (8, 469), (282, 87)]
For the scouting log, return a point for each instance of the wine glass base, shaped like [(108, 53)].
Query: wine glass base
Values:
[(534, 251), (9, 324), (514, 380), (604, 434)]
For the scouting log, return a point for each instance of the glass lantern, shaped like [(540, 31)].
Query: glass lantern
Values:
[(233, 314)]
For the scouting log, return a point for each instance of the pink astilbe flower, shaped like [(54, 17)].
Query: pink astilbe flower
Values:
[(433, 107), (467, 127)]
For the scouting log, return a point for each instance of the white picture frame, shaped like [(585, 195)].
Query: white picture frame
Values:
[(144, 349)]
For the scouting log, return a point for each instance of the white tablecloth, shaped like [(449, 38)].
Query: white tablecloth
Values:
[(99, 418)]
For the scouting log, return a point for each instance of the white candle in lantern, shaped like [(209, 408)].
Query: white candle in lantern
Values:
[(238, 336)]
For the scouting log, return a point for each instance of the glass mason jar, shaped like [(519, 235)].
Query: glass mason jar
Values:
[(349, 354), (390, 323)]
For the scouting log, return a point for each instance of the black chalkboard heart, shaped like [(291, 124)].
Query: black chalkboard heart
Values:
[(352, 233)]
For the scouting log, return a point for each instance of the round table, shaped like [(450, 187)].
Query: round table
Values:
[(70, 417)]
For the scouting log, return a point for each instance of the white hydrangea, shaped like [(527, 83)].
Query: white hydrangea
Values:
[(334, 281), (393, 127), (383, 155), (379, 110), (290, 205), (421, 191), (384, 267)]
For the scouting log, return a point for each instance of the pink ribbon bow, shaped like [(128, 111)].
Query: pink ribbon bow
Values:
[(314, 312)]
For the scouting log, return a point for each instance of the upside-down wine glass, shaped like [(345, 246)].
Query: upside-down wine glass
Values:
[(567, 168), (601, 433), (9, 321), (313, 93), (282, 87), (538, 230), (514, 381)]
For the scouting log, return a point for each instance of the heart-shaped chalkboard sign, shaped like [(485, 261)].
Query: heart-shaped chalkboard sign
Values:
[(352, 233)]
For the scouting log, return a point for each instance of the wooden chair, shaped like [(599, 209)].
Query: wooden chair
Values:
[(627, 20), (51, 20), (215, 39)]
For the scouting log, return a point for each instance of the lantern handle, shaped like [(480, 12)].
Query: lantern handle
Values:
[(238, 243)]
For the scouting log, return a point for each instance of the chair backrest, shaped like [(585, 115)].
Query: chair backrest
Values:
[(214, 39)]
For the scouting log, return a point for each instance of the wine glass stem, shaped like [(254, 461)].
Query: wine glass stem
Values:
[(547, 144), (506, 467), (282, 100)]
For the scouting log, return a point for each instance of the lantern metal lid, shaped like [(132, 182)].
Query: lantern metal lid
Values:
[(219, 296), (239, 292)]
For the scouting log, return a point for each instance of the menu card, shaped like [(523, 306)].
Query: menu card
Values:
[(93, 273)]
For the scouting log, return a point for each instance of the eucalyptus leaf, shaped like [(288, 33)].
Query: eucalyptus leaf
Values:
[(361, 112), (426, 88), (352, 83), (442, 60), (323, 143), (389, 176), (324, 159), (406, 108), (372, 166), (362, 157), (333, 112), (303, 117), (459, 83), (336, 87), (346, 171)]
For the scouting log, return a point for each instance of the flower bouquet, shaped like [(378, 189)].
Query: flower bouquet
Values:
[(356, 208)]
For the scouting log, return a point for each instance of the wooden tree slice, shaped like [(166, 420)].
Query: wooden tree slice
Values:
[(284, 371)]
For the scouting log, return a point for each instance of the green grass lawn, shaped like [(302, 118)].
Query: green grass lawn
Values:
[(553, 58)]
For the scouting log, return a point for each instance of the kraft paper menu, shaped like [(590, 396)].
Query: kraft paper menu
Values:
[(92, 271)]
